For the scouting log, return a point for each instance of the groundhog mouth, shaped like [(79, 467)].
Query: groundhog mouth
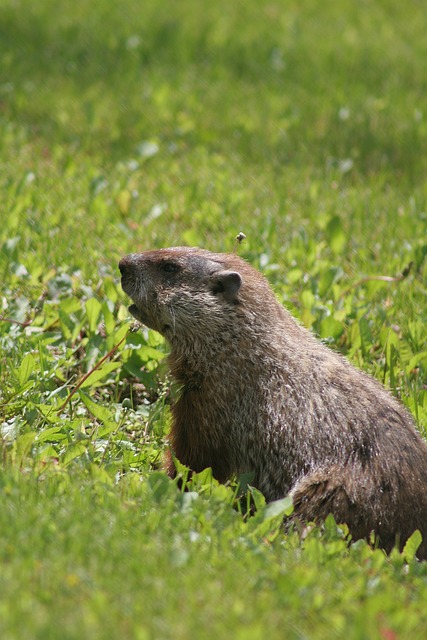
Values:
[(144, 318)]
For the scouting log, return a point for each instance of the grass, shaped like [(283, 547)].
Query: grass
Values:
[(130, 126), (142, 560)]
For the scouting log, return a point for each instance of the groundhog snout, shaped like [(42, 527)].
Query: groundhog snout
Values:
[(128, 264)]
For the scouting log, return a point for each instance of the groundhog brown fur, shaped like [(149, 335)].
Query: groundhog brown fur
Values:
[(261, 395)]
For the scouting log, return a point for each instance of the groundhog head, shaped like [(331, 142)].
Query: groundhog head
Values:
[(180, 290)]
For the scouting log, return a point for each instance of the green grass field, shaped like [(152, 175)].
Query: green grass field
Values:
[(126, 126)]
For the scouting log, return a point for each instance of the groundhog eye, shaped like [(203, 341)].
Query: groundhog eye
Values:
[(170, 267)]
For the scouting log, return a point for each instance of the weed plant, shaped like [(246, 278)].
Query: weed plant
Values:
[(127, 126)]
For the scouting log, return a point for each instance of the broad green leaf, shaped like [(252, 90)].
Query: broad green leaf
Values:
[(327, 278), (93, 310), (48, 412), (111, 289), (160, 485), (420, 358), (52, 434), (245, 480), (283, 507), (99, 411), (22, 446), (405, 351), (70, 305), (100, 373), (329, 327), (75, 450), (25, 369), (307, 298), (411, 546), (258, 498), (337, 238), (109, 319), (47, 452), (117, 337)]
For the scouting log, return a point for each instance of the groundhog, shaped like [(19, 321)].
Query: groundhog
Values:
[(261, 395)]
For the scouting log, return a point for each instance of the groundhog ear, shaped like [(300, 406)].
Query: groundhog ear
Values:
[(226, 282)]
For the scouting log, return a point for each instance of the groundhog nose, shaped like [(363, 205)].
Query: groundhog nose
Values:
[(126, 264)]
